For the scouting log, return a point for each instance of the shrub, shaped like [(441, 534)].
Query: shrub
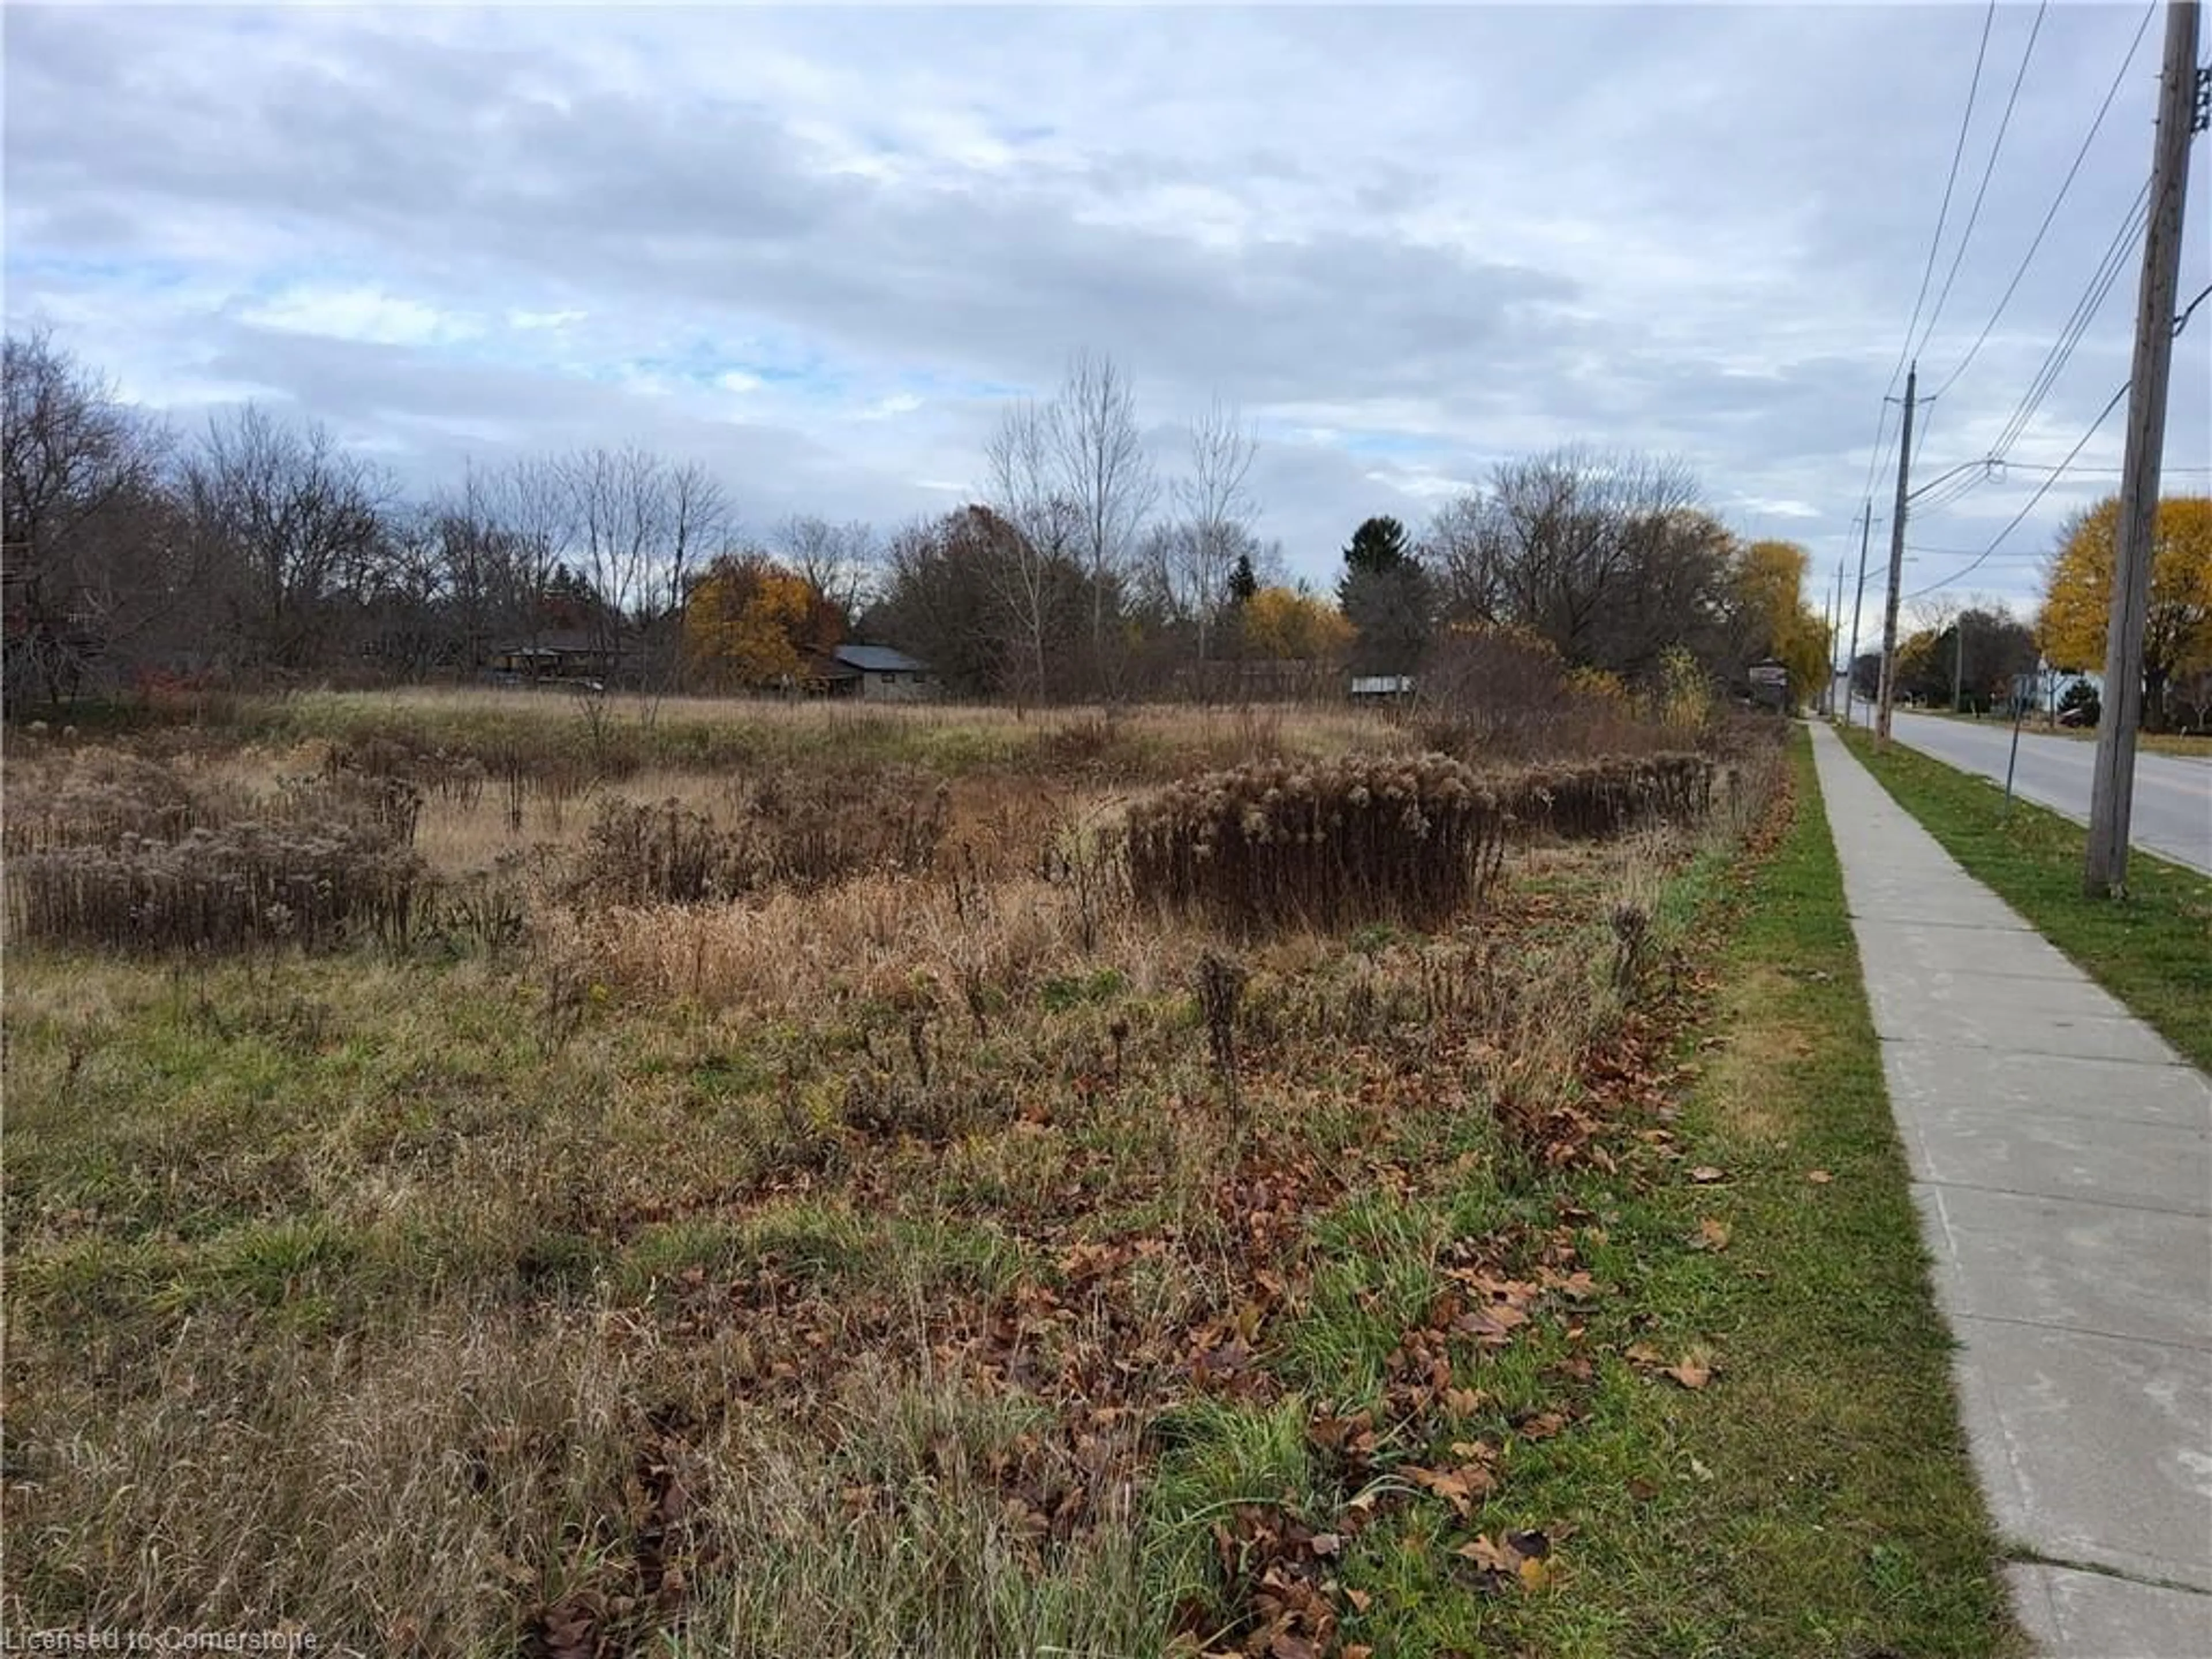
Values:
[(1361, 839), (124, 853), (216, 889), (776, 835), (1598, 798)]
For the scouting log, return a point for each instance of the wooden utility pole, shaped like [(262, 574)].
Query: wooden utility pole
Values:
[(1896, 563), (1958, 661), (1835, 639), (1858, 597), (2111, 798)]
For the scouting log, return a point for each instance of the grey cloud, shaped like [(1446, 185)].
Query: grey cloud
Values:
[(1655, 197)]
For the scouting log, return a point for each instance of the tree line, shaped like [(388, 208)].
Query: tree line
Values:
[(261, 551)]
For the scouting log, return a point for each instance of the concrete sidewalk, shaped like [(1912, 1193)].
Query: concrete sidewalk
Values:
[(2062, 1162)]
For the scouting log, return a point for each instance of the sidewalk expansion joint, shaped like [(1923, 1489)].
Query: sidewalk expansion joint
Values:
[(2133, 1208), (2028, 1555)]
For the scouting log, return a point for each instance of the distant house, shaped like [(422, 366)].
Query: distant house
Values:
[(873, 673), (1382, 687), (2043, 690), (574, 654)]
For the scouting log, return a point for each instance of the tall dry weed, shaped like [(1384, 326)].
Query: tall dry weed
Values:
[(1280, 844)]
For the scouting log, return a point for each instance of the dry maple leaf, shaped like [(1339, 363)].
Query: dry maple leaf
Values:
[(1491, 1558), (1691, 1373)]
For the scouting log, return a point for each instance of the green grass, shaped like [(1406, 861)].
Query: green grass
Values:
[(1815, 1496), (373, 1221), (2152, 950)]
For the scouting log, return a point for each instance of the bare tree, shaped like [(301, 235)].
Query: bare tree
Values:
[(289, 527), (79, 486), (1214, 506), (1026, 493), (622, 521), (1606, 557), (532, 502), (836, 560), (1104, 475), (697, 518)]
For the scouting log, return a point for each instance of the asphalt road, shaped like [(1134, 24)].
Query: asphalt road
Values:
[(2172, 812)]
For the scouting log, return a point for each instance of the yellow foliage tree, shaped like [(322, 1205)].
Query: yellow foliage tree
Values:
[(2078, 588), (1287, 626), (1769, 581), (749, 621)]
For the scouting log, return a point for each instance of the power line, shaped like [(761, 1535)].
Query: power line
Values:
[(1950, 183), (1934, 246), (2051, 214), (2045, 466), (1988, 170), (1875, 455), (2041, 491), (2182, 321), (2077, 323)]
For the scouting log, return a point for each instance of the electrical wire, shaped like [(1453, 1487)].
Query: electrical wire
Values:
[(1877, 455), (2041, 491), (1988, 170), (1950, 183), (2077, 324), (2189, 310), (2064, 185)]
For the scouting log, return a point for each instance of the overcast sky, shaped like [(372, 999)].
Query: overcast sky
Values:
[(817, 249)]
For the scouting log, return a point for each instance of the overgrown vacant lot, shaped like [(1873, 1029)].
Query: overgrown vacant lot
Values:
[(488, 1178)]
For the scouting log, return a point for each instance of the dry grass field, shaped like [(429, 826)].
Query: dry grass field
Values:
[(488, 1176)]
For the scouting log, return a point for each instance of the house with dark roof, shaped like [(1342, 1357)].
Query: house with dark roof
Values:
[(568, 654), (873, 673)]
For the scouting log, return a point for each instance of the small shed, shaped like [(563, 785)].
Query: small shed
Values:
[(876, 673), (1382, 687)]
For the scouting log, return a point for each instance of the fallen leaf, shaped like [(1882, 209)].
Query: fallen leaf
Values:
[(1643, 1490), (1490, 1556), (1642, 1353), (1536, 1572), (1712, 1235), (1691, 1373), (1704, 1175), (1361, 1600), (1326, 1543), (1819, 1177)]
